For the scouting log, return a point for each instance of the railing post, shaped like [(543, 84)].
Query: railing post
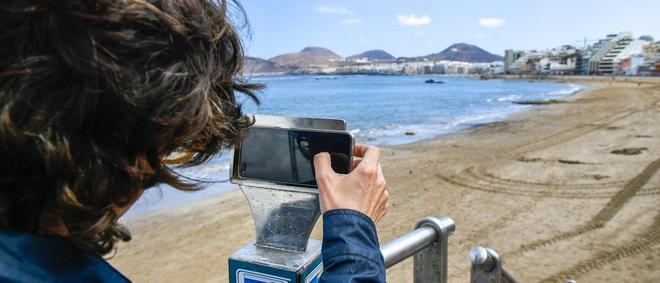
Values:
[(430, 264), (487, 267)]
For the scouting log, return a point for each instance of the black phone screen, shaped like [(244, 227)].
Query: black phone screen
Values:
[(287, 155)]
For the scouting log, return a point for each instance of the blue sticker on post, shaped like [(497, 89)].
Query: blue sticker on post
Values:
[(250, 276), (253, 264), (315, 275)]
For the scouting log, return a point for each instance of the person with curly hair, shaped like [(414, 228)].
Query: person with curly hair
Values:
[(94, 95)]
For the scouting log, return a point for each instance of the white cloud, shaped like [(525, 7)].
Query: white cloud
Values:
[(333, 10), (492, 22), (351, 21), (413, 20)]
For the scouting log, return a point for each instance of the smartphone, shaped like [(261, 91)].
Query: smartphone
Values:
[(286, 156)]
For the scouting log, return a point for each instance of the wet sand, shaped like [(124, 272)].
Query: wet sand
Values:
[(568, 190)]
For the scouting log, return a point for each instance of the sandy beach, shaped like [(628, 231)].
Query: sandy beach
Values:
[(566, 190)]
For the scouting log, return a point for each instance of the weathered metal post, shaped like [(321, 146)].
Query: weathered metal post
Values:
[(284, 217), (430, 264), (428, 243), (487, 267)]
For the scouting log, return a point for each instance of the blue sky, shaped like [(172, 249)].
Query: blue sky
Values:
[(416, 27)]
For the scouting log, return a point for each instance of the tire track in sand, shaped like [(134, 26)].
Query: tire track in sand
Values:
[(498, 223), (605, 214), (470, 177), (573, 133), (490, 228), (652, 101), (465, 180), (640, 244)]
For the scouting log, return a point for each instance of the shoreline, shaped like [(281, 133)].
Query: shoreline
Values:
[(504, 184), (158, 199), (479, 126), (584, 79)]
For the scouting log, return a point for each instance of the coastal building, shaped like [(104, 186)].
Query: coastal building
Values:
[(528, 63), (590, 53), (411, 67), (602, 61), (616, 54), (647, 38), (587, 53), (656, 70), (651, 66), (510, 56), (579, 60), (496, 68), (607, 64), (560, 61), (634, 56), (630, 66), (583, 66), (439, 69), (360, 60)]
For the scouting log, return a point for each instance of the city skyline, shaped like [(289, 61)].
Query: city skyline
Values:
[(417, 28)]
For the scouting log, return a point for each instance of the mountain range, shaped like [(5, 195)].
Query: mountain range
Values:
[(319, 56), (307, 56), (373, 55), (465, 53)]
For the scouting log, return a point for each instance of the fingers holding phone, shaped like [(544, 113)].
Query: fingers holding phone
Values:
[(364, 189)]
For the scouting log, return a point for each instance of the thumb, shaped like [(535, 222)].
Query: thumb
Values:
[(322, 165)]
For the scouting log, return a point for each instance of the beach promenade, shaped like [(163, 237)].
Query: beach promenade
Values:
[(568, 190)]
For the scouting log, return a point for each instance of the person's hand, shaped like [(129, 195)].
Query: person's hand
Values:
[(364, 189)]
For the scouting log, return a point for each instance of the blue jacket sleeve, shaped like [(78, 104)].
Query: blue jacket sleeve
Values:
[(350, 248), (31, 258)]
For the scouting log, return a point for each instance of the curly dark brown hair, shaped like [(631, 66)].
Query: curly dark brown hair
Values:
[(93, 96)]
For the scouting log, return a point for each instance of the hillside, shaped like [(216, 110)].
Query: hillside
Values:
[(258, 65), (374, 55), (465, 53), (307, 56), (313, 59)]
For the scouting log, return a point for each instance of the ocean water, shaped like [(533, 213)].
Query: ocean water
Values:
[(379, 110)]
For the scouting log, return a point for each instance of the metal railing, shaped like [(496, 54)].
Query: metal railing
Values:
[(428, 244), (487, 267)]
